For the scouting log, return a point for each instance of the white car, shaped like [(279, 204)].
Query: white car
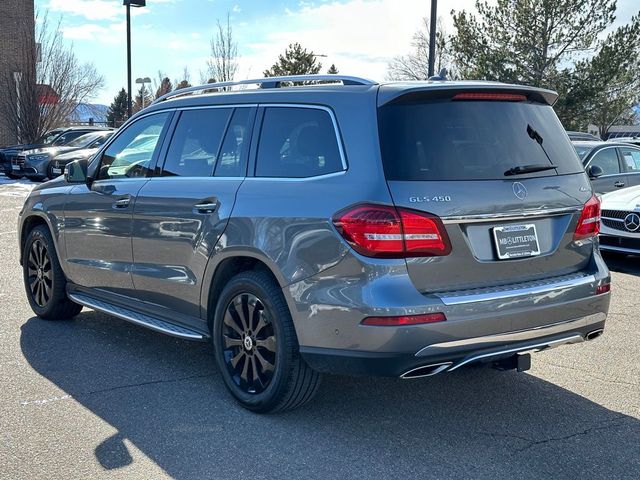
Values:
[(620, 227)]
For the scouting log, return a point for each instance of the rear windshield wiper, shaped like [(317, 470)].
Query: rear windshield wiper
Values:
[(522, 169)]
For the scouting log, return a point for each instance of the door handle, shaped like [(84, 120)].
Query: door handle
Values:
[(122, 202), (206, 207), (618, 184)]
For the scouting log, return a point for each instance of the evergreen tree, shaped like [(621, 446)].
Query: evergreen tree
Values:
[(558, 45), (164, 87), (142, 99), (117, 113), (332, 70), (295, 61)]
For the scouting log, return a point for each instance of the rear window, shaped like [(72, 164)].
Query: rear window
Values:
[(472, 140)]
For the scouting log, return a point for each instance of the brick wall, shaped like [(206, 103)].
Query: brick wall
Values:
[(16, 18)]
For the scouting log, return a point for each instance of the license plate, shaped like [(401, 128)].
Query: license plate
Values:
[(15, 167), (516, 241), (56, 171)]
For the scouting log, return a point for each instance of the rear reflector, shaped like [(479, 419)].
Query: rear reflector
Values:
[(496, 97), (589, 222), (383, 231), (604, 288), (404, 320)]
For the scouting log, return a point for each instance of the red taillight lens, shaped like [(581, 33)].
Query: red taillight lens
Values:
[(604, 288), (589, 222), (404, 320), (496, 97), (386, 232)]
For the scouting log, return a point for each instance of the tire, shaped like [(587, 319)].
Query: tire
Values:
[(13, 177), (266, 373), (44, 280)]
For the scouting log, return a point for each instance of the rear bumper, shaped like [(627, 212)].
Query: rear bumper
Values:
[(448, 356), (612, 242)]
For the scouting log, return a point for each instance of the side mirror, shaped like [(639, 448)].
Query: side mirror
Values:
[(76, 172), (595, 171)]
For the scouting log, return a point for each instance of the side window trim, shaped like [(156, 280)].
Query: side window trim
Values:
[(156, 155), (258, 129)]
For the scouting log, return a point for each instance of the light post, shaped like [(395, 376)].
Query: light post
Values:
[(129, 4), (432, 37), (143, 81)]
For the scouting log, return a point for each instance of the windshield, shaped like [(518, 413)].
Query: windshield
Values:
[(83, 141), (473, 140), (49, 137)]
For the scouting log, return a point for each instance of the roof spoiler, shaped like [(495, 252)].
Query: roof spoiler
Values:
[(407, 93)]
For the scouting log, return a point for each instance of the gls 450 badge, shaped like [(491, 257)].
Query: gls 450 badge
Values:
[(435, 198)]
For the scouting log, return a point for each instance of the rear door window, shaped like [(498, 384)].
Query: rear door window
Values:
[(631, 158), (233, 154), (472, 140), (195, 143), (297, 143), (607, 160)]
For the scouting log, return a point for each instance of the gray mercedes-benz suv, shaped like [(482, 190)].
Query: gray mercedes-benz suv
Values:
[(329, 224)]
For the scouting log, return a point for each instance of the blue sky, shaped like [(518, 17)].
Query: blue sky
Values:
[(359, 36)]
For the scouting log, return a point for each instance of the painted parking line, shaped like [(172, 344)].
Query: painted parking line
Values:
[(8, 233)]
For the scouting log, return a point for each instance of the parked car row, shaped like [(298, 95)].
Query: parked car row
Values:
[(46, 158)]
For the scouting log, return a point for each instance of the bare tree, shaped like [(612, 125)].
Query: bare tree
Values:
[(415, 65), (162, 85), (223, 62), (50, 85)]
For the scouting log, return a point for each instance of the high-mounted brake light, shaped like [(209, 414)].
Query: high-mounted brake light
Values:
[(498, 97), (386, 232), (589, 222), (404, 320)]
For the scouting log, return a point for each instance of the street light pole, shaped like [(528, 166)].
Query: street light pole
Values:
[(432, 37), (143, 81), (129, 4), (129, 106)]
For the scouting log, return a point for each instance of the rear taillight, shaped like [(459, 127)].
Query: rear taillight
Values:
[(589, 222), (404, 320), (604, 288), (386, 232)]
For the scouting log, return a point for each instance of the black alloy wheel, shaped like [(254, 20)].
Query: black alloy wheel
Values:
[(249, 343), (40, 275)]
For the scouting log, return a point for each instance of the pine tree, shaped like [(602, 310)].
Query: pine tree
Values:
[(117, 113), (142, 99), (164, 87), (332, 70), (295, 61)]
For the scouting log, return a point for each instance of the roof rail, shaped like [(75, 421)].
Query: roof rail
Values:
[(269, 82)]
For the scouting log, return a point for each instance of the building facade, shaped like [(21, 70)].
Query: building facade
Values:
[(17, 32)]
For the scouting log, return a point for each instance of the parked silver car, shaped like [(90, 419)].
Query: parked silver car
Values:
[(401, 229)]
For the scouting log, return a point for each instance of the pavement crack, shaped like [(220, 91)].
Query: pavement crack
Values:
[(611, 423), (112, 389)]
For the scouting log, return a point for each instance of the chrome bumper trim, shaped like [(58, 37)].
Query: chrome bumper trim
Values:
[(509, 291), (576, 338), (490, 341)]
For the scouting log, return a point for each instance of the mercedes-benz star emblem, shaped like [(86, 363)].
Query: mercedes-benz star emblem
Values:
[(519, 190), (632, 222)]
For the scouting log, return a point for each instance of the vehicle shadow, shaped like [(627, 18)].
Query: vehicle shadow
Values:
[(166, 397), (622, 263)]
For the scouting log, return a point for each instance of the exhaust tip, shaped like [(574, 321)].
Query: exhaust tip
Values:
[(426, 370), (595, 334)]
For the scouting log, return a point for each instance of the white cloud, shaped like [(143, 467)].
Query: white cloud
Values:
[(359, 36), (97, 9)]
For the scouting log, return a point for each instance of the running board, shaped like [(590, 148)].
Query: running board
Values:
[(136, 317)]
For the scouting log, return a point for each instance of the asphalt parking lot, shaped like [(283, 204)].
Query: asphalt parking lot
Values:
[(97, 397)]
